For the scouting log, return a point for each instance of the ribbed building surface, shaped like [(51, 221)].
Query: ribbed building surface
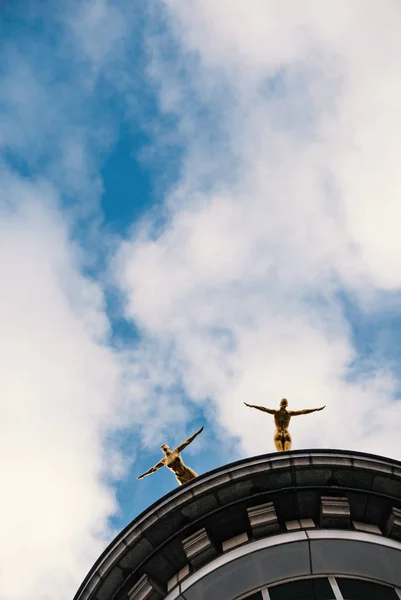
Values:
[(301, 525)]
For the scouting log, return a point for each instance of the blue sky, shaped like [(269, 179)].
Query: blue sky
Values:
[(199, 206)]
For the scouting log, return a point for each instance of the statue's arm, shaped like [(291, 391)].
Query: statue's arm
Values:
[(271, 411), (181, 447), (152, 469), (305, 411)]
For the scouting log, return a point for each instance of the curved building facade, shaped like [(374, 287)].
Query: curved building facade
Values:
[(301, 525)]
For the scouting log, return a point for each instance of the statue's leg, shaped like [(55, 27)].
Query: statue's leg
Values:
[(278, 441), (287, 441), (187, 476), (190, 474)]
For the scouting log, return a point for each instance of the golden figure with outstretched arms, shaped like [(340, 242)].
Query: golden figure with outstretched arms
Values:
[(282, 417), (173, 461)]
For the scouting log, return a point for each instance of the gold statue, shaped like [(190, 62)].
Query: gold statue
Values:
[(282, 418), (174, 462)]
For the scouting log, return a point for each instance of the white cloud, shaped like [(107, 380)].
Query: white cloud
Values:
[(100, 28), (61, 392), (244, 278), (58, 384)]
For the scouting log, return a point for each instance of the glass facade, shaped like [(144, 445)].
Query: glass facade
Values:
[(322, 588)]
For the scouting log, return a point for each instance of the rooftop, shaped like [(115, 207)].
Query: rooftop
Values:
[(241, 502)]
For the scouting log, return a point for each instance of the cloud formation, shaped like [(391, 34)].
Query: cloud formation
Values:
[(58, 383), (59, 376), (297, 210)]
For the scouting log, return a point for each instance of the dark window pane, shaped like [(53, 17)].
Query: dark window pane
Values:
[(305, 589), (355, 589), (256, 596)]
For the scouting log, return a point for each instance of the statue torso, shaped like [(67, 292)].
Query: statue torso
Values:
[(175, 463), (282, 419)]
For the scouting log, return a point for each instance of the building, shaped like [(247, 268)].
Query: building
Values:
[(301, 525)]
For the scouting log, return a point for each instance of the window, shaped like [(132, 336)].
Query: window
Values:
[(327, 588), (356, 589), (304, 589)]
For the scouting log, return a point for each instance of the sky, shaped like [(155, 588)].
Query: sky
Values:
[(199, 206)]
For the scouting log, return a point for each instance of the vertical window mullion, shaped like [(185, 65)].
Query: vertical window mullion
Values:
[(336, 590)]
